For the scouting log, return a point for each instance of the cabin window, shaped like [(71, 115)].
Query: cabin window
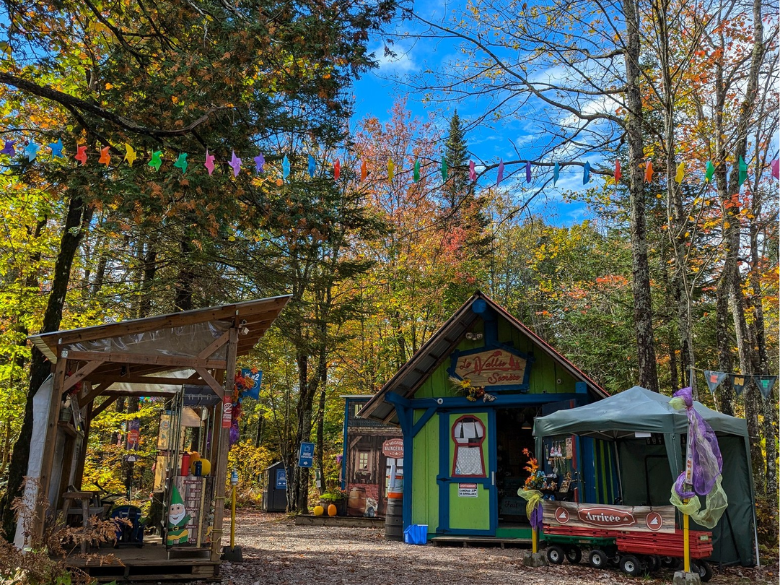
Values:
[(362, 461)]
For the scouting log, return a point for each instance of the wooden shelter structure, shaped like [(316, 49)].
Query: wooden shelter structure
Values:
[(153, 356)]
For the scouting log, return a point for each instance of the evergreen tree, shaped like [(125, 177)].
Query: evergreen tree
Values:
[(456, 188)]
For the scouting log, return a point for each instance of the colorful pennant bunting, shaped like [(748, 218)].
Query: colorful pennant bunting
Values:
[(680, 173), (363, 171), (556, 172), (105, 156), (416, 174), (710, 171), (81, 154), (312, 166), (500, 173), (528, 172), (618, 171), (209, 164), (181, 162), (765, 385), (443, 168), (649, 172), (56, 148), (472, 171), (337, 169), (390, 169), (259, 163), (714, 379), (586, 173), (32, 151), (775, 167), (130, 155), (739, 382), (285, 167), (742, 171), (235, 163)]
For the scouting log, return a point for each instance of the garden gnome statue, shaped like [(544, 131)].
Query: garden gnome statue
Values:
[(177, 520)]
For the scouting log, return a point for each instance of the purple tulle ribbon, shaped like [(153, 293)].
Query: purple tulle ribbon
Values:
[(537, 517), (705, 452)]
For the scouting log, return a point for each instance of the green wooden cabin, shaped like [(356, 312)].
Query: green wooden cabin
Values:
[(463, 450)]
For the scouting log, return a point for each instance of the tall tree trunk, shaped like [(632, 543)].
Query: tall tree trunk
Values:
[(186, 277), (76, 221), (643, 311)]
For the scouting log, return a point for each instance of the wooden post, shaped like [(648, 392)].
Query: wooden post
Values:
[(686, 543), (534, 541), (220, 469)]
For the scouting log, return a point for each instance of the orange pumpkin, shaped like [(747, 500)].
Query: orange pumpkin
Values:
[(332, 510)]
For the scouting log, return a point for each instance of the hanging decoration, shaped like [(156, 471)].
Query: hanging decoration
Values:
[(8, 148), (742, 171), (704, 465), (31, 152), (416, 173), (312, 166), (363, 171), (81, 154), (775, 168), (586, 173), (765, 385), (209, 164), (337, 170), (156, 161), (105, 156), (130, 155), (500, 173), (285, 167), (181, 162), (714, 379), (710, 171), (649, 172), (259, 163), (390, 169), (680, 173), (556, 172), (56, 148), (528, 171), (618, 171), (740, 381), (443, 168), (472, 171), (235, 163)]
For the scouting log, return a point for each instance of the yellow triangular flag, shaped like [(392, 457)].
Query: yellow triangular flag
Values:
[(390, 168), (130, 155), (680, 172)]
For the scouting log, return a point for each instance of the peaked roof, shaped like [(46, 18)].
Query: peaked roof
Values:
[(413, 373), (634, 410)]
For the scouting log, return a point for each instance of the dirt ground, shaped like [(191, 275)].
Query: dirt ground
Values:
[(276, 551)]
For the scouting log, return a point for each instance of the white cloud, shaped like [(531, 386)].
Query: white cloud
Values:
[(402, 62)]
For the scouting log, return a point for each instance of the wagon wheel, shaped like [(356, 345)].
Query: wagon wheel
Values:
[(653, 563), (573, 554), (555, 555), (703, 569), (670, 562), (597, 559), (630, 565)]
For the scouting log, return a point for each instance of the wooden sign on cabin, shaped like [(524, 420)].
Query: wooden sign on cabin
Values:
[(497, 368), (603, 517)]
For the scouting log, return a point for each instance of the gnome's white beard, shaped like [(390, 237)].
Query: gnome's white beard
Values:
[(177, 518)]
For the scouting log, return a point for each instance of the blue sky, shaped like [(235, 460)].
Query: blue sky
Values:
[(376, 91)]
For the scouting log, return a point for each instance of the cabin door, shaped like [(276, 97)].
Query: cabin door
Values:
[(467, 478)]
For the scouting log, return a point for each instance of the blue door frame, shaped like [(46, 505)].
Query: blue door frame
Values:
[(445, 478)]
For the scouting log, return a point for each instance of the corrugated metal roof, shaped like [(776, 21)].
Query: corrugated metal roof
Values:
[(413, 373)]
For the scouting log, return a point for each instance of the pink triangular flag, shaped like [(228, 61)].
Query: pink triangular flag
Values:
[(500, 173), (472, 171), (776, 169)]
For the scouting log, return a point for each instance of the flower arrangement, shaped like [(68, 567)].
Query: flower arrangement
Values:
[(536, 479), (473, 393)]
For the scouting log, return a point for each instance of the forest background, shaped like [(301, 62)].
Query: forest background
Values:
[(664, 276)]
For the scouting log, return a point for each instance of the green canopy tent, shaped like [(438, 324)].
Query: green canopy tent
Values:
[(647, 466)]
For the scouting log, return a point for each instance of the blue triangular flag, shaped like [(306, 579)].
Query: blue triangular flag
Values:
[(586, 174), (714, 379), (739, 382), (285, 167), (556, 172), (765, 384), (528, 172), (312, 166)]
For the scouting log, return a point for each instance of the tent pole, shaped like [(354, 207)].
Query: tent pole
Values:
[(617, 466)]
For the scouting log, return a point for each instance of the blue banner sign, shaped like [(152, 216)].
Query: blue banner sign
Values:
[(306, 455), (281, 479)]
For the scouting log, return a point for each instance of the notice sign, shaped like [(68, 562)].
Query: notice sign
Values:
[(393, 448), (306, 455), (281, 479), (624, 518), (467, 490), (227, 412)]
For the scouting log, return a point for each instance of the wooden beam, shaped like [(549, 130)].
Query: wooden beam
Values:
[(93, 393), (214, 345), (220, 465), (117, 393), (82, 373), (137, 379), (105, 404), (209, 379), (157, 360)]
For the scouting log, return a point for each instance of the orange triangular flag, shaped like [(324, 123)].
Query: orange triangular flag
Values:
[(105, 158), (649, 172), (618, 171), (363, 171)]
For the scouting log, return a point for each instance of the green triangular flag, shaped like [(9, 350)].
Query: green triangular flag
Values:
[(710, 171), (742, 171), (443, 168), (416, 174)]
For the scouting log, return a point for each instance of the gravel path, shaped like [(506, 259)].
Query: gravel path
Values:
[(276, 551)]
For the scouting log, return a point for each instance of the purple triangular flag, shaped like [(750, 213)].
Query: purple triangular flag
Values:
[(528, 172), (500, 173)]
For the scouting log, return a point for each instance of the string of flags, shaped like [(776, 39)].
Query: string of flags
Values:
[(740, 381), (32, 151)]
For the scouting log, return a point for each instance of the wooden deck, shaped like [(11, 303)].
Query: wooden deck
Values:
[(466, 541), (149, 563), (348, 521)]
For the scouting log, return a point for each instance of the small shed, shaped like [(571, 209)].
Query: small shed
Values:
[(646, 435), (275, 488), (464, 442), (373, 453), (154, 357)]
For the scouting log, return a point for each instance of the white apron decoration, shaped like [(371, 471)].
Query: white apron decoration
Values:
[(468, 434)]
